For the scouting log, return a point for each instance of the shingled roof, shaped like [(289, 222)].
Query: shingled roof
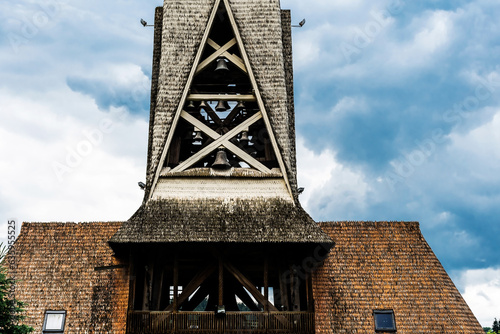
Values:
[(263, 33), (386, 265), (68, 266), (238, 221)]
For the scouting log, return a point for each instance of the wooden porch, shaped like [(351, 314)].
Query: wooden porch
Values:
[(156, 322)]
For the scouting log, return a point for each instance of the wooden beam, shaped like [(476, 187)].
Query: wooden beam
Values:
[(191, 287), (247, 157), (254, 292), (231, 57), (148, 281), (213, 115), (245, 298), (294, 290), (160, 289), (310, 299), (175, 151), (221, 282), (176, 282), (249, 286), (229, 145), (284, 291), (222, 140), (200, 125), (266, 283), (231, 116), (197, 298), (132, 281), (218, 52), (221, 97)]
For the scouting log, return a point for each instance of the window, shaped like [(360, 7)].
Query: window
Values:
[(384, 320), (54, 322)]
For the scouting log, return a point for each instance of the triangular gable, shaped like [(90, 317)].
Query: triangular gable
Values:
[(225, 132)]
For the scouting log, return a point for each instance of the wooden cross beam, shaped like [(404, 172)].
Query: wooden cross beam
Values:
[(198, 297), (213, 115), (221, 51), (221, 140), (249, 286), (245, 298), (191, 287), (231, 116), (254, 292), (218, 52)]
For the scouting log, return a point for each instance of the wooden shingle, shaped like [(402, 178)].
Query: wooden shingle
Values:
[(239, 221), (386, 265), (55, 269)]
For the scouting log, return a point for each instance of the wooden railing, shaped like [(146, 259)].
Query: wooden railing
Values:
[(152, 322)]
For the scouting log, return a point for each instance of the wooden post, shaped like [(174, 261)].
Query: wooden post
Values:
[(310, 299), (148, 281), (283, 291), (221, 282), (160, 289), (132, 281), (266, 283), (176, 281), (294, 289)]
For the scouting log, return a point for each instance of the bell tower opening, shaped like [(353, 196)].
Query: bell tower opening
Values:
[(222, 125)]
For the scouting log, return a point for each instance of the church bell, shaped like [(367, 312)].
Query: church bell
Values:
[(203, 105), (197, 139), (190, 106), (222, 106), (244, 137), (221, 65), (221, 161)]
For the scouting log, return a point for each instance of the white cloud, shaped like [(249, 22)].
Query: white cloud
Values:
[(367, 42), (323, 6), (64, 167), (435, 33), (349, 105), (127, 75), (42, 120), (325, 179), (427, 38), (481, 290), (481, 145), (319, 46)]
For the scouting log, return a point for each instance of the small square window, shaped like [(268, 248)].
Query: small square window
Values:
[(384, 320), (54, 322)]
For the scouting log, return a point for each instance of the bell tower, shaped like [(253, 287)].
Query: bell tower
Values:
[(220, 242), (227, 131)]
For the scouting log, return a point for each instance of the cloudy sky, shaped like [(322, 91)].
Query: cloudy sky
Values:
[(398, 118)]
